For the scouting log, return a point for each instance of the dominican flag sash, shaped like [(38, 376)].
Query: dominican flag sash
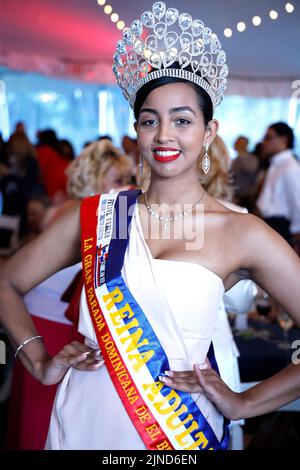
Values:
[(165, 419)]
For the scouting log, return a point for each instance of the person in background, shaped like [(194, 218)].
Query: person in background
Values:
[(279, 200), (3, 160), (101, 167), (37, 207), (66, 149), (175, 291), (217, 181), (263, 165), (20, 129), (21, 179), (243, 169), (52, 165), (104, 137), (53, 304), (130, 148)]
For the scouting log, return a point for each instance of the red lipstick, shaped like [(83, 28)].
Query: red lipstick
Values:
[(165, 154)]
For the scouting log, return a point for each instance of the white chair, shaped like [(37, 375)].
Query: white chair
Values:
[(12, 224), (236, 437)]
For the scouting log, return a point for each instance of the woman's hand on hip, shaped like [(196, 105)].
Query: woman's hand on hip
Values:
[(75, 355), (208, 382)]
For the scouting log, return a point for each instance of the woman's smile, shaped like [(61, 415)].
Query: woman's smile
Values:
[(165, 154)]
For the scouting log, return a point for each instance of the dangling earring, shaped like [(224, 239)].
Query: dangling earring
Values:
[(206, 160), (141, 164)]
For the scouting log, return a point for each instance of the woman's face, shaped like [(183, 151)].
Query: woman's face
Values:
[(115, 177), (171, 130)]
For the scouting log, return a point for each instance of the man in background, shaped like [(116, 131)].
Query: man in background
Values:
[(243, 171), (279, 200)]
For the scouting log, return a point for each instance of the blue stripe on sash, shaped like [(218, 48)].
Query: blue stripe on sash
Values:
[(121, 230), (159, 362)]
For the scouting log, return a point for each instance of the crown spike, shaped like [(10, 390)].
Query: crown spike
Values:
[(161, 37)]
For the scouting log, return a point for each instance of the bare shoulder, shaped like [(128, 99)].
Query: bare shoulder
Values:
[(257, 242), (248, 229), (56, 248)]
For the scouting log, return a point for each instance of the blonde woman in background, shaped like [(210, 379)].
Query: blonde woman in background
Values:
[(217, 180), (99, 168)]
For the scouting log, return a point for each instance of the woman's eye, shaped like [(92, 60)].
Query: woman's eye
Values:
[(149, 122), (182, 121)]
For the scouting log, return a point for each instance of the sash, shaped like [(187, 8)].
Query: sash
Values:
[(165, 419)]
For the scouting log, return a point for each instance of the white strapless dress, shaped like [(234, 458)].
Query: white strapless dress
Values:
[(181, 301)]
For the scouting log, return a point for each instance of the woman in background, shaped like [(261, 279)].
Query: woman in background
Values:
[(99, 168)]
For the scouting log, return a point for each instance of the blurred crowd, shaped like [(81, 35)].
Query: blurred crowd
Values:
[(39, 182)]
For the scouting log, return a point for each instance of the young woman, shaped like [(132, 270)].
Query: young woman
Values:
[(151, 303)]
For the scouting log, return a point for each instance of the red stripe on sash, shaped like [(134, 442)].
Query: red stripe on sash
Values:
[(145, 423)]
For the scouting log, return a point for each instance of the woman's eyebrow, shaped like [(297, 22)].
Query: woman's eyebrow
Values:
[(172, 110), (181, 108), (149, 110)]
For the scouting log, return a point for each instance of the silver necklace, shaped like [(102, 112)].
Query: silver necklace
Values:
[(167, 220)]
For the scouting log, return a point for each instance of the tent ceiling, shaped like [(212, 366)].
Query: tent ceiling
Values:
[(78, 30)]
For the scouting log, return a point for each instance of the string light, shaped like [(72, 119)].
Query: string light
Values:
[(120, 25), (289, 7), (256, 20), (273, 15), (228, 32), (241, 26), (114, 17), (108, 10)]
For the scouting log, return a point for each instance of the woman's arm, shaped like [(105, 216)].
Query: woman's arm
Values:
[(276, 268), (263, 398), (55, 249)]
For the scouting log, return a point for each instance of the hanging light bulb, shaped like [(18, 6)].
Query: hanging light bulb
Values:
[(228, 32), (120, 25), (114, 17), (289, 7), (107, 9), (241, 26), (273, 15), (256, 20)]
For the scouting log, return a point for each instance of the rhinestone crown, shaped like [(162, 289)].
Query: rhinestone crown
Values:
[(164, 36)]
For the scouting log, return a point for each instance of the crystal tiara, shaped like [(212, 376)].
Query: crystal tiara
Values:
[(162, 37)]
